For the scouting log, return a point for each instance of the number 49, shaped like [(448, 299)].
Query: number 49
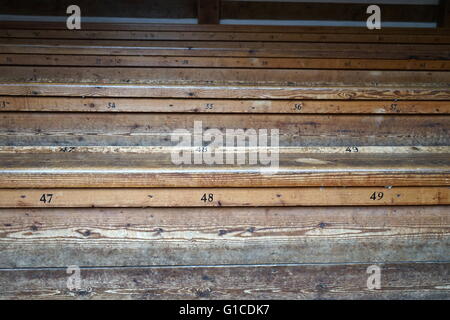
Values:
[(377, 196)]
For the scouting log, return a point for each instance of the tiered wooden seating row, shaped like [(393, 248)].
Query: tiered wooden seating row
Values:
[(85, 125)]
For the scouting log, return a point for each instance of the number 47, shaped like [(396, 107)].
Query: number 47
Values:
[(46, 198)]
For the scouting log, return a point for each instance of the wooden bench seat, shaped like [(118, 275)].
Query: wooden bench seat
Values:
[(87, 179), (69, 169)]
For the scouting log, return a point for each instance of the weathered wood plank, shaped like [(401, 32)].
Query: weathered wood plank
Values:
[(227, 48), (226, 197), (227, 36), (221, 62), (68, 104), (226, 76), (81, 170), (206, 91), (155, 27), (325, 281), (187, 236), (157, 129)]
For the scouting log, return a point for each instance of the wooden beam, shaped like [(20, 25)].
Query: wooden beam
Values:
[(227, 49), (88, 104), (208, 11), (222, 197), (205, 236), (186, 35), (150, 129), (318, 281), (324, 11), (81, 170)]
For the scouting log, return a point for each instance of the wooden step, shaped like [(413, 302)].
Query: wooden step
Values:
[(81, 170), (227, 48), (157, 129), (224, 197), (88, 104), (409, 280), (220, 62), (34, 238), (333, 37)]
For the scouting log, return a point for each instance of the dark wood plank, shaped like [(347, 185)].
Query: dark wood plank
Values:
[(398, 281), (156, 129), (174, 9), (227, 48), (208, 11), (155, 27), (184, 236), (324, 11), (356, 37)]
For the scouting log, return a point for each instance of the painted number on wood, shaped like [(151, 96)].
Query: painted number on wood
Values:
[(377, 196), (207, 197), (46, 198), (298, 106), (352, 149)]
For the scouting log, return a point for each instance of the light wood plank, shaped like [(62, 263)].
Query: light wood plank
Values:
[(399, 281), (218, 197), (441, 92), (81, 170), (205, 236), (67, 104)]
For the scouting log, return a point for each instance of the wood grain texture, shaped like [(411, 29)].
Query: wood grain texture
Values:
[(211, 91), (226, 48), (220, 62), (222, 197), (73, 104), (399, 281), (140, 129), (225, 76), (84, 170), (207, 236), (155, 27), (334, 37)]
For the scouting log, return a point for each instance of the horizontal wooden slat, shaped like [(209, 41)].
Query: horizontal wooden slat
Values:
[(225, 76), (226, 36), (139, 129), (223, 49), (79, 170), (155, 27), (167, 236), (220, 62), (174, 9), (224, 91), (324, 11), (67, 104), (218, 197), (399, 281)]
